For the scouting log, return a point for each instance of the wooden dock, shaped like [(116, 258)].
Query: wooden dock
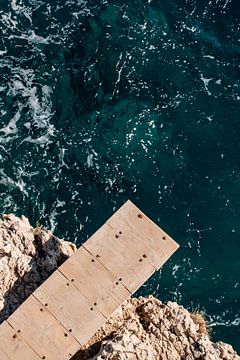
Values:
[(76, 300)]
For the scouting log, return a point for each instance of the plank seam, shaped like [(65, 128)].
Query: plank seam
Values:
[(81, 293), (46, 309), (147, 259), (167, 256), (100, 284), (130, 293), (24, 340), (154, 224), (131, 268)]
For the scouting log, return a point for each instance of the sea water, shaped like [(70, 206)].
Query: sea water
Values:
[(104, 101)]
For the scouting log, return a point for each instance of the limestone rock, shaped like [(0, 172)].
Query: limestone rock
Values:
[(147, 329)]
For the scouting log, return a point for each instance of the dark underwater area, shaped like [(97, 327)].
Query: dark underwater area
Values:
[(104, 101)]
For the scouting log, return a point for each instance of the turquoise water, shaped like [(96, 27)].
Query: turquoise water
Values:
[(102, 101)]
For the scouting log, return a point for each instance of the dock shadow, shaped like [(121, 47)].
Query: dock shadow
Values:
[(92, 350)]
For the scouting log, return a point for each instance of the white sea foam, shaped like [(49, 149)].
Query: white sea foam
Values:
[(208, 56), (61, 157), (21, 9), (206, 82), (10, 183), (8, 22), (55, 212), (119, 66), (215, 320), (90, 160), (36, 99), (11, 127), (32, 37), (43, 139), (3, 52)]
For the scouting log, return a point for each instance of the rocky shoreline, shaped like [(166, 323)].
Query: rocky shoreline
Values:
[(143, 328), (147, 329)]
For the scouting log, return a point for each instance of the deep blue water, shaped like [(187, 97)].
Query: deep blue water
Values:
[(102, 101)]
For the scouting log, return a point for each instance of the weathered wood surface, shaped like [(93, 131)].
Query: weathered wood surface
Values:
[(42, 331), (12, 346), (131, 246), (77, 299), (70, 307), (96, 283)]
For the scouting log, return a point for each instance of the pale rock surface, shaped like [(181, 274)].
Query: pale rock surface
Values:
[(27, 258), (146, 329)]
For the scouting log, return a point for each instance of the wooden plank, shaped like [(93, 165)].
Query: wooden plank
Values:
[(155, 255), (142, 226), (12, 347), (4, 343), (3, 354), (70, 307), (140, 246), (42, 332), (95, 282), (125, 263)]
